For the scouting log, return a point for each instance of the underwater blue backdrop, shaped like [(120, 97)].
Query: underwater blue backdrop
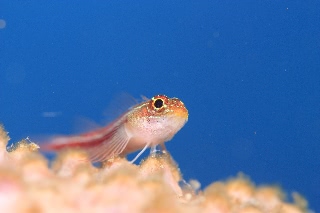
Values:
[(248, 72)]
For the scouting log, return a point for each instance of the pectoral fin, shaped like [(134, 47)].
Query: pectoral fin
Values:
[(109, 147)]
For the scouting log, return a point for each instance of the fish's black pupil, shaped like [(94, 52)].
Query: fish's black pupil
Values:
[(158, 103)]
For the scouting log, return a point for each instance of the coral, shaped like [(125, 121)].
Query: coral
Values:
[(72, 184)]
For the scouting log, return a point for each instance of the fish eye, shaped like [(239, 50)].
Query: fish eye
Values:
[(158, 103)]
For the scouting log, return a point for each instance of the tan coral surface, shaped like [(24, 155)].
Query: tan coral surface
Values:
[(72, 184)]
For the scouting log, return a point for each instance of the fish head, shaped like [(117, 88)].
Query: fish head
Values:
[(157, 120)]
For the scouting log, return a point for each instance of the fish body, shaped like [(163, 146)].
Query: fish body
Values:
[(144, 125)]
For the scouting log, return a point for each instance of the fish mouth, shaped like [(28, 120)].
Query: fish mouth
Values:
[(182, 113), (179, 109)]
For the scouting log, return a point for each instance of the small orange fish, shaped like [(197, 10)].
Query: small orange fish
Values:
[(144, 125)]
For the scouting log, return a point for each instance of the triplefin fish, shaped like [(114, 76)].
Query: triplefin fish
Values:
[(144, 125)]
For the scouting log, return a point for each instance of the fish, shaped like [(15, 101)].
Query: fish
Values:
[(145, 125)]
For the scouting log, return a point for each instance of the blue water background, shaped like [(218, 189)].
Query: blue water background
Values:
[(248, 72)]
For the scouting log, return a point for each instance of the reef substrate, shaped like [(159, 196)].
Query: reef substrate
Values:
[(29, 183)]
